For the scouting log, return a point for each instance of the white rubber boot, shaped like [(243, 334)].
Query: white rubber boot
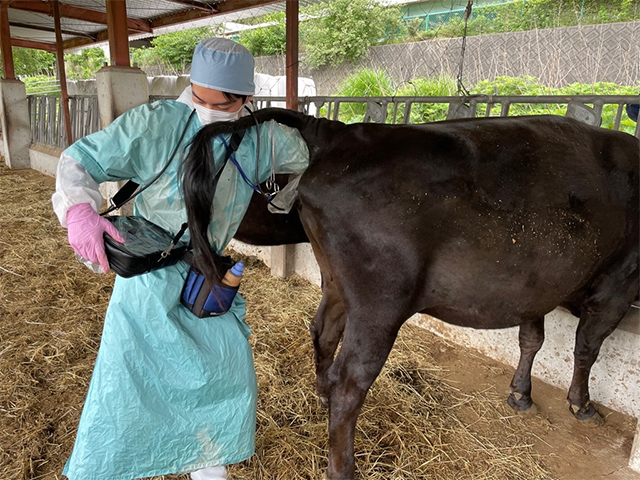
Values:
[(210, 473)]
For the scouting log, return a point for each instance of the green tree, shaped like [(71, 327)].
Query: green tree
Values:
[(267, 40), (28, 61), (344, 29), (145, 57), (85, 64), (176, 49)]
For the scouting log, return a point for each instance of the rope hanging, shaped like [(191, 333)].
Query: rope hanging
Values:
[(467, 14)]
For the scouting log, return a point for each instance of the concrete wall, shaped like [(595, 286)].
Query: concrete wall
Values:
[(44, 158)]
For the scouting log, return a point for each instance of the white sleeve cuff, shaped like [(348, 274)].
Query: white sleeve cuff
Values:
[(73, 186)]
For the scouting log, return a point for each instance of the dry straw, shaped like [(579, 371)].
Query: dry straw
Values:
[(414, 424)]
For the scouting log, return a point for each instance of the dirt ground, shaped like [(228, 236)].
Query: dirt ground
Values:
[(569, 449), (44, 373)]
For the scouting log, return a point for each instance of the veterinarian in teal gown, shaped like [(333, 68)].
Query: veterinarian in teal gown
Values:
[(170, 393)]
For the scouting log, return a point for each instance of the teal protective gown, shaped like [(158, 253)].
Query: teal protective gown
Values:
[(170, 392)]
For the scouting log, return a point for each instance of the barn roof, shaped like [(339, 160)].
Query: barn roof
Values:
[(84, 22)]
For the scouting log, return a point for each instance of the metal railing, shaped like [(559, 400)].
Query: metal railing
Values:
[(47, 121), (589, 109), (47, 124)]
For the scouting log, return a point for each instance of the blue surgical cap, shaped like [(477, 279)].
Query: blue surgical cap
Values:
[(224, 65)]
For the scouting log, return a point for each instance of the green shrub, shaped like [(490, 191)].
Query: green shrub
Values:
[(531, 86), (176, 49), (364, 83), (377, 83), (41, 85), (534, 14), (28, 61), (444, 86), (145, 57), (526, 85)]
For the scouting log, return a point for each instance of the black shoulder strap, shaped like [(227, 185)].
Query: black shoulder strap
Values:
[(234, 143), (127, 191), (123, 195)]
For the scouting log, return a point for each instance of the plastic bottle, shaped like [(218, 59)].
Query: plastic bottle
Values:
[(233, 275)]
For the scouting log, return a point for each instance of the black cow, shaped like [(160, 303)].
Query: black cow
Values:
[(486, 223)]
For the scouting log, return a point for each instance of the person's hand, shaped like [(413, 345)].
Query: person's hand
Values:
[(85, 232)]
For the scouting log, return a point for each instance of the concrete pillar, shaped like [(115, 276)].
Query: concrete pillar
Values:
[(119, 89), (634, 462), (282, 260), (16, 131)]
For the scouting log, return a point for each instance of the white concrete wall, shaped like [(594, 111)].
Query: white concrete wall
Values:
[(44, 158)]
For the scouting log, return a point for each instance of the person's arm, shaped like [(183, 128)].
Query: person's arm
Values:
[(128, 149), (74, 185)]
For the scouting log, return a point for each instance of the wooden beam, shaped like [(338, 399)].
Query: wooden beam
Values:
[(62, 76), (118, 34), (5, 44), (81, 41), (283, 256), (224, 7), (77, 13), (49, 29), (18, 42), (292, 54)]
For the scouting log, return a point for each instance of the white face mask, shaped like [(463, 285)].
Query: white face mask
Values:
[(207, 115)]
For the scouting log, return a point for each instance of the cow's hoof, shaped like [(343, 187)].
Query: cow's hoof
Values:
[(323, 400), (522, 404), (588, 415)]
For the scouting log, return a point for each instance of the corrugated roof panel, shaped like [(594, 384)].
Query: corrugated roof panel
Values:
[(152, 9), (97, 5), (143, 9)]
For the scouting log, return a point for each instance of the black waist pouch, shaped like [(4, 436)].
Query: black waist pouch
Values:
[(147, 246)]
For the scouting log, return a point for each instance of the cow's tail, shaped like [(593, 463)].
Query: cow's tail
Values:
[(200, 176)]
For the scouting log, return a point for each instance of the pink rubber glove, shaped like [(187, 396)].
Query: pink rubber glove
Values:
[(85, 231)]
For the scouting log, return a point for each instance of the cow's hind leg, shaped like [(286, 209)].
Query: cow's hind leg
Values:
[(593, 329), (365, 348), (531, 338), (609, 299), (326, 331)]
